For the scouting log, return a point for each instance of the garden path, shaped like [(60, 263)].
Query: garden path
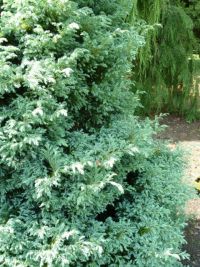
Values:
[(187, 136)]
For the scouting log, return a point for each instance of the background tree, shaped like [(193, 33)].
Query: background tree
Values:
[(192, 8), (165, 65)]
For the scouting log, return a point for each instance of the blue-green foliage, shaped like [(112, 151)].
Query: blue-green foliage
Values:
[(83, 183)]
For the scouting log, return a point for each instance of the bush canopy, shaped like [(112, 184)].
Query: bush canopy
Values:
[(83, 182)]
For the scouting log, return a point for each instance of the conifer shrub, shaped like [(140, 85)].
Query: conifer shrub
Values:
[(83, 182)]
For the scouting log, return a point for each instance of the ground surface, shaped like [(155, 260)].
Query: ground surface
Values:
[(187, 135)]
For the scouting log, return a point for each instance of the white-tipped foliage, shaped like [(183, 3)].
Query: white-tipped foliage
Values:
[(68, 139)]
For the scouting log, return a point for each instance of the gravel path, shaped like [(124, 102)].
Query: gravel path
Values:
[(187, 135)]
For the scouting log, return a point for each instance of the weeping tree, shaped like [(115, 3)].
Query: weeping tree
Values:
[(83, 182), (165, 68), (192, 8)]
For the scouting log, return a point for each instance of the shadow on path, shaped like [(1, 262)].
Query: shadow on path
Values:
[(187, 136)]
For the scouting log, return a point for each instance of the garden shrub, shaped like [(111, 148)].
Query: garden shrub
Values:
[(83, 182)]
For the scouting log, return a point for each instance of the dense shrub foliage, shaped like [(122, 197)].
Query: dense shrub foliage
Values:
[(83, 183)]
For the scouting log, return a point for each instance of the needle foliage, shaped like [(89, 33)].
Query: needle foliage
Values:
[(82, 180), (192, 8), (165, 65)]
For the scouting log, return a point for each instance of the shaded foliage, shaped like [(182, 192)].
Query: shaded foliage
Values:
[(192, 8), (165, 65)]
